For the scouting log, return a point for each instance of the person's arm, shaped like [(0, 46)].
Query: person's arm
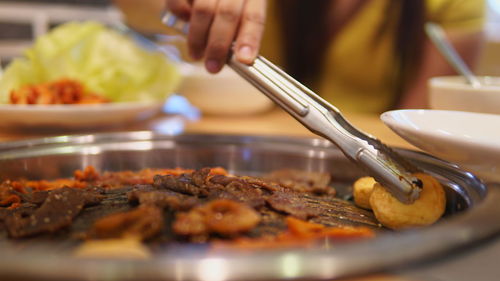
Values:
[(216, 24), (433, 64)]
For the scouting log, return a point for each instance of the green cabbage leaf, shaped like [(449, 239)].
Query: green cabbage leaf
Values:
[(105, 61)]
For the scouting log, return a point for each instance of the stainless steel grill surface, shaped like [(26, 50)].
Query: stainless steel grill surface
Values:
[(471, 215)]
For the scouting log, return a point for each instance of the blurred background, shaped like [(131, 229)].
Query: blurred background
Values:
[(23, 20), (489, 63)]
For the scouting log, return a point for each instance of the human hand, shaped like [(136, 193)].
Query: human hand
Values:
[(216, 24)]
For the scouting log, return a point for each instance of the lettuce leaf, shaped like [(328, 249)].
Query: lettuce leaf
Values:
[(105, 61)]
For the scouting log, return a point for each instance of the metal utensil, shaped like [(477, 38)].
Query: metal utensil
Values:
[(440, 40), (323, 119)]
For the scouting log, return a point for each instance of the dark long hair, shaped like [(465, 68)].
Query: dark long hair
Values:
[(306, 38)]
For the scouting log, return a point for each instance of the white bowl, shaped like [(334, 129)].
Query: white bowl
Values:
[(225, 93), (454, 93), (471, 140)]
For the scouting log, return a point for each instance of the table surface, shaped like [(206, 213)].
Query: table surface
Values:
[(272, 122), (478, 264)]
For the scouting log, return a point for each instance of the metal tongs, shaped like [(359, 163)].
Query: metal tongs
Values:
[(322, 118)]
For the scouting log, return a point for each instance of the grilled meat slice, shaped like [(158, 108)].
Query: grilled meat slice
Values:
[(189, 183), (143, 222), (303, 181), (163, 199), (221, 216), (56, 212)]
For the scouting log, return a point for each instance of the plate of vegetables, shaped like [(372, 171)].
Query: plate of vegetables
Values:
[(85, 75)]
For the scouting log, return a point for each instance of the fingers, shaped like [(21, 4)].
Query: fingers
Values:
[(181, 8), (250, 34), (202, 15), (216, 24), (222, 33)]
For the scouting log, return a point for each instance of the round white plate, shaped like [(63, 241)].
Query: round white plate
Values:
[(471, 140), (76, 116)]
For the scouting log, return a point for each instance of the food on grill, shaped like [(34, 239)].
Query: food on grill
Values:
[(157, 206), (391, 213), (57, 211), (177, 205), (220, 216), (143, 222), (426, 210), (299, 233), (62, 91), (302, 181), (362, 190)]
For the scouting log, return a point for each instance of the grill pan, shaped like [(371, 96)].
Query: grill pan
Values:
[(471, 214)]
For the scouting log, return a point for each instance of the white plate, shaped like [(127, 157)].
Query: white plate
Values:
[(471, 140), (75, 116)]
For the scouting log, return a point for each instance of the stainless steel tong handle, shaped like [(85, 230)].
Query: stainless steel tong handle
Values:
[(323, 119)]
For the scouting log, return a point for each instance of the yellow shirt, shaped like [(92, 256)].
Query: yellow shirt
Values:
[(355, 75)]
